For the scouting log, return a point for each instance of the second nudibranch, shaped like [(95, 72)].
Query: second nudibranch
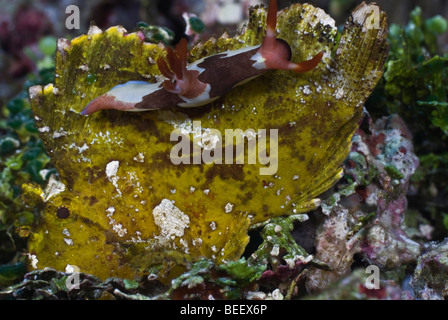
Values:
[(205, 80)]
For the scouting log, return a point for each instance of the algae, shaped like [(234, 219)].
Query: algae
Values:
[(414, 86), (23, 159)]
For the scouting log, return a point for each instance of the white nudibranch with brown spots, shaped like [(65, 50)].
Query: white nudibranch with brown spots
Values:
[(205, 80)]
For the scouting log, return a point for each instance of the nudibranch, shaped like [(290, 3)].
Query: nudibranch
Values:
[(205, 80)]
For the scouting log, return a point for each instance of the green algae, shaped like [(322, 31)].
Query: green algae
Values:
[(205, 279), (278, 244), (156, 34), (23, 159), (414, 86), (116, 177)]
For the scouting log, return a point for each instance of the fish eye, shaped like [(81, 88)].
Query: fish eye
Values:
[(63, 213)]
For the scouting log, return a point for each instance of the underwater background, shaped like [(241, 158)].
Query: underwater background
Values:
[(390, 209)]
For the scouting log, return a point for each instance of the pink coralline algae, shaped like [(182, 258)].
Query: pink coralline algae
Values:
[(430, 279), (24, 28), (366, 213)]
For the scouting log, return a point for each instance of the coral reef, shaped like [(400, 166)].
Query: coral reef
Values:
[(430, 280), (414, 86), (366, 215)]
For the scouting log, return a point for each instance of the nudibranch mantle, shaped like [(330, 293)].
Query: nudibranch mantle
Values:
[(205, 80)]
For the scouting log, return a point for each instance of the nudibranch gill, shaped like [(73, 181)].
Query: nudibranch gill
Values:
[(205, 80)]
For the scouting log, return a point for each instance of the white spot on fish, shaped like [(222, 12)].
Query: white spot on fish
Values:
[(228, 208), (111, 173), (170, 219)]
